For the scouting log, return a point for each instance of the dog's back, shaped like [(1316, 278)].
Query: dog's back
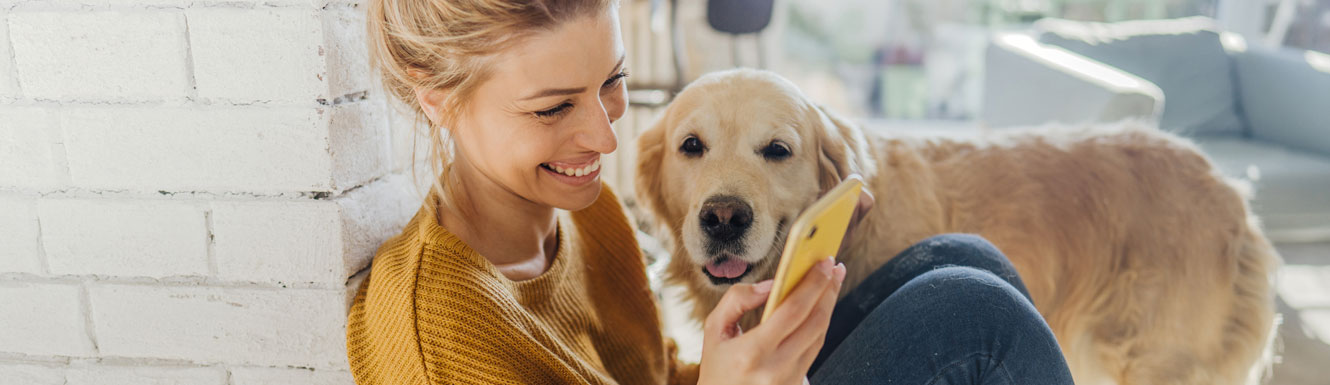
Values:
[(1147, 263)]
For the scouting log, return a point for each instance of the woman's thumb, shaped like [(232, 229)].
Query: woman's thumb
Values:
[(739, 299)]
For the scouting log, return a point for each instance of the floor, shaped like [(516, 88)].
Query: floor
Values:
[(1302, 348)]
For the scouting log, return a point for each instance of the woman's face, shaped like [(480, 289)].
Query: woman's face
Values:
[(539, 125)]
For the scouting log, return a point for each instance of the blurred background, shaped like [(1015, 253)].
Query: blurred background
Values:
[(1247, 79), (191, 190)]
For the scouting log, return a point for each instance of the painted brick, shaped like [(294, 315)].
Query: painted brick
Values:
[(282, 376), (237, 58), (145, 375), (348, 52), (43, 319), (100, 55), (26, 148), (372, 214), (149, 238), (358, 136), (18, 234), (214, 149), (261, 327), (278, 241), (8, 79), (30, 374)]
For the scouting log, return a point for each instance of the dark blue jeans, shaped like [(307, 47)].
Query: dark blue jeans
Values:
[(948, 310)]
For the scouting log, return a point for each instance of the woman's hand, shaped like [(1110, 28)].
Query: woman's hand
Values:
[(780, 350)]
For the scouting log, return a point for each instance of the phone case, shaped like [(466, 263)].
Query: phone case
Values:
[(815, 235)]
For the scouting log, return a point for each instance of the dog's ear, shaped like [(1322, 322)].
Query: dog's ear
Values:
[(650, 157), (841, 148)]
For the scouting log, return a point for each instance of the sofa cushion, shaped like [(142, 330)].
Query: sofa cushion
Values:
[(1285, 95), (1290, 185), (1184, 57)]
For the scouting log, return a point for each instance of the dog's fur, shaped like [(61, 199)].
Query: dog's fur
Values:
[(1146, 263)]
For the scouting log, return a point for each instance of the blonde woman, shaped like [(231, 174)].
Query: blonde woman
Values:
[(520, 267)]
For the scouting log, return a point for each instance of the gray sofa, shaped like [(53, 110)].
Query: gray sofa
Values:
[(1262, 114)]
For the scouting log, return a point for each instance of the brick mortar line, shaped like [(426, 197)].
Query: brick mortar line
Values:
[(191, 82), (165, 195), (44, 265), (169, 282), (88, 324), (84, 7), (12, 59), (211, 242), (195, 101), (64, 362)]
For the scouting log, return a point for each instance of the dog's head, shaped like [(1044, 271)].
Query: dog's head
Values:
[(730, 164)]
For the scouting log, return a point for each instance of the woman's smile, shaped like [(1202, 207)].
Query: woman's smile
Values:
[(574, 173)]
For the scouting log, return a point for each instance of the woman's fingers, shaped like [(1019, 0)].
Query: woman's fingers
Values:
[(796, 307), (722, 323), (805, 342)]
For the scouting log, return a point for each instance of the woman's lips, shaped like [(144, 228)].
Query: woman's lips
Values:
[(575, 175)]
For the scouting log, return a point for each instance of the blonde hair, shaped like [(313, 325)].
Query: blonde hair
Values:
[(448, 45)]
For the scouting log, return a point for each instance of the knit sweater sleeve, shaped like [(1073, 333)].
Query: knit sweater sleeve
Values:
[(417, 325), (381, 327)]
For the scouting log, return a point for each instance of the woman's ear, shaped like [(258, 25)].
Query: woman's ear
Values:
[(431, 102), (650, 157)]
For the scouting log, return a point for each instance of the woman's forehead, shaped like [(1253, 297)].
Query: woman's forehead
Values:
[(576, 54)]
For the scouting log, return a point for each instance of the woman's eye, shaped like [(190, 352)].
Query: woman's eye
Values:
[(692, 146), (776, 151), (554, 111), (614, 81)]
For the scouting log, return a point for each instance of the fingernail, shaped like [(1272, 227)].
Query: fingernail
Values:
[(763, 287), (840, 273), (826, 265)]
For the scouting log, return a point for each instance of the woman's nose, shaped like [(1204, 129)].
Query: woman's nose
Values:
[(597, 133)]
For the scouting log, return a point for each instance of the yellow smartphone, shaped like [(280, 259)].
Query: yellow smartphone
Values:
[(814, 236)]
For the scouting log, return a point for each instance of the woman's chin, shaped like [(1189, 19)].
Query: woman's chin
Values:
[(577, 199)]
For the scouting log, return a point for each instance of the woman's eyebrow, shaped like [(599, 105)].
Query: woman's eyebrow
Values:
[(571, 91), (555, 92)]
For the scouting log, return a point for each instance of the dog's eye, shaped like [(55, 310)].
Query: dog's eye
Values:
[(776, 151), (692, 146)]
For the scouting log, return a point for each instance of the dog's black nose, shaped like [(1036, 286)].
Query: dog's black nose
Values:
[(725, 218)]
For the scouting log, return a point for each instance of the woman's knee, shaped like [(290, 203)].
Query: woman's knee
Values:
[(976, 294), (960, 245)]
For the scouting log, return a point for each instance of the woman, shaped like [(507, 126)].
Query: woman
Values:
[(521, 267)]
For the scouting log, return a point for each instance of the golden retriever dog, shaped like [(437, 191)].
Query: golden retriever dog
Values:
[(1144, 260)]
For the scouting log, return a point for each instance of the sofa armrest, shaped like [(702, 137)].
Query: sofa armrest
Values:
[(1028, 83), (1284, 95)]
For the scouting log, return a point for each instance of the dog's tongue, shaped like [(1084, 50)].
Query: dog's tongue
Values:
[(729, 268)]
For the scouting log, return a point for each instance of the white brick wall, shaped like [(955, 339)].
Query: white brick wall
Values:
[(18, 234), (250, 326), (43, 319), (187, 189), (133, 375), (104, 56), (123, 237), (191, 191)]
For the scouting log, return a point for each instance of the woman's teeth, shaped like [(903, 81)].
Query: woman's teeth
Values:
[(575, 171)]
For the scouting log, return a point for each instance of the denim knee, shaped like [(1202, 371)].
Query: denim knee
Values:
[(960, 244), (967, 250), (980, 297)]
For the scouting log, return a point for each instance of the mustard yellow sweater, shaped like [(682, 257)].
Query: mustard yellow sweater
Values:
[(435, 312)]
